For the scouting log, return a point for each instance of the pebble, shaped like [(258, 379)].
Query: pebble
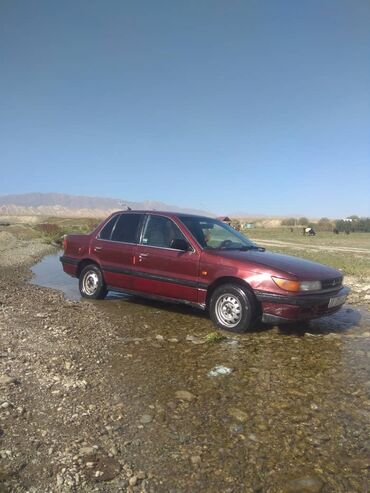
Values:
[(132, 481), (114, 450), (220, 370), (87, 450), (238, 414), (6, 380), (195, 340), (184, 395), (146, 418), (308, 484)]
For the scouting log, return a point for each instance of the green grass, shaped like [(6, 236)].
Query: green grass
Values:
[(322, 238), (75, 224), (350, 263), (53, 229), (213, 337)]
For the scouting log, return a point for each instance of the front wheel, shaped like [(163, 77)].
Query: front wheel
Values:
[(233, 308), (91, 283)]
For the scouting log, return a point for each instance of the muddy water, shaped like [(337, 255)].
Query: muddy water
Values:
[(290, 414)]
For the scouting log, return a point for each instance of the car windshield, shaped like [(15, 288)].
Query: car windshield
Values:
[(212, 234)]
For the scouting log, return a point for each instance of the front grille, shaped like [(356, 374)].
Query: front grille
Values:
[(332, 283)]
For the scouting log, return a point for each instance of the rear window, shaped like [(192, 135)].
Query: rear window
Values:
[(126, 228), (106, 232)]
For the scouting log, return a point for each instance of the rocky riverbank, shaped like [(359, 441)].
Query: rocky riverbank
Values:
[(135, 396), (57, 409)]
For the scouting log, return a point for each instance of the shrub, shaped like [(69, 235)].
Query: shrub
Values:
[(290, 221), (52, 233), (303, 221)]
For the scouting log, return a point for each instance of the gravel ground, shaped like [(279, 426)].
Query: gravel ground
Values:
[(56, 406), (125, 396)]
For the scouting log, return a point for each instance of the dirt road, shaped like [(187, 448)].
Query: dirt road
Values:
[(326, 248), (126, 395)]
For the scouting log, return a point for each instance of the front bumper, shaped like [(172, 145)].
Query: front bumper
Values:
[(288, 308)]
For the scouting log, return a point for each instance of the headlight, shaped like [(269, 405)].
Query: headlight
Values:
[(297, 286), (310, 285)]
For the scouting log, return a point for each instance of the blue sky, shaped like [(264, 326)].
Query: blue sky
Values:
[(256, 106)]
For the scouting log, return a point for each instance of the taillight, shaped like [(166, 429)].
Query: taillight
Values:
[(65, 242)]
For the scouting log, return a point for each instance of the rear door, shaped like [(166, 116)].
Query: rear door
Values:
[(160, 269), (115, 246)]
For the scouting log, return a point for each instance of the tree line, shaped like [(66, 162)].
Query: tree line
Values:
[(350, 224)]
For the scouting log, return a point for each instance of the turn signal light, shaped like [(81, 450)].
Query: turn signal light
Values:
[(287, 284)]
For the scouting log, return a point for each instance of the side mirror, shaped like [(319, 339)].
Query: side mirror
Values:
[(180, 244)]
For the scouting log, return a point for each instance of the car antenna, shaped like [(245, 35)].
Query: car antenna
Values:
[(122, 204)]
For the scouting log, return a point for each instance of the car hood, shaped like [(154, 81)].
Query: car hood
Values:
[(296, 266)]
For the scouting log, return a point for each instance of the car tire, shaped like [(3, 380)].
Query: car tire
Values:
[(232, 308), (91, 283)]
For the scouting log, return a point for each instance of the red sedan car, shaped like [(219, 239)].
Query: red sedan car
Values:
[(202, 262)]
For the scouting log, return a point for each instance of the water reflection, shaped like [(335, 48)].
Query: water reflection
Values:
[(49, 273)]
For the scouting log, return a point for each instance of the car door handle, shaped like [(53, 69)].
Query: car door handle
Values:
[(96, 249), (142, 256)]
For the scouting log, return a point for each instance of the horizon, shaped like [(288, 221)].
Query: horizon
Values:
[(235, 214), (213, 106)]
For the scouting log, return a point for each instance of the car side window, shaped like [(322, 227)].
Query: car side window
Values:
[(106, 232), (160, 231), (126, 228)]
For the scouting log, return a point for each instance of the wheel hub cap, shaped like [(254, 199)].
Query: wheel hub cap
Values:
[(228, 310), (90, 282)]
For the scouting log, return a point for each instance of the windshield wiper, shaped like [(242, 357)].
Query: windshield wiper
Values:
[(245, 248)]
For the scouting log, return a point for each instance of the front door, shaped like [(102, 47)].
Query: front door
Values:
[(162, 270)]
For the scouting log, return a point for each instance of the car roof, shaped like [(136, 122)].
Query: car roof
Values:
[(163, 213)]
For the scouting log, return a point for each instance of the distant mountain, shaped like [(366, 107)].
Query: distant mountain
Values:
[(59, 204)]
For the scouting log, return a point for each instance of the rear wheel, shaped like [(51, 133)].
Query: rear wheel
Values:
[(91, 283), (233, 308)]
